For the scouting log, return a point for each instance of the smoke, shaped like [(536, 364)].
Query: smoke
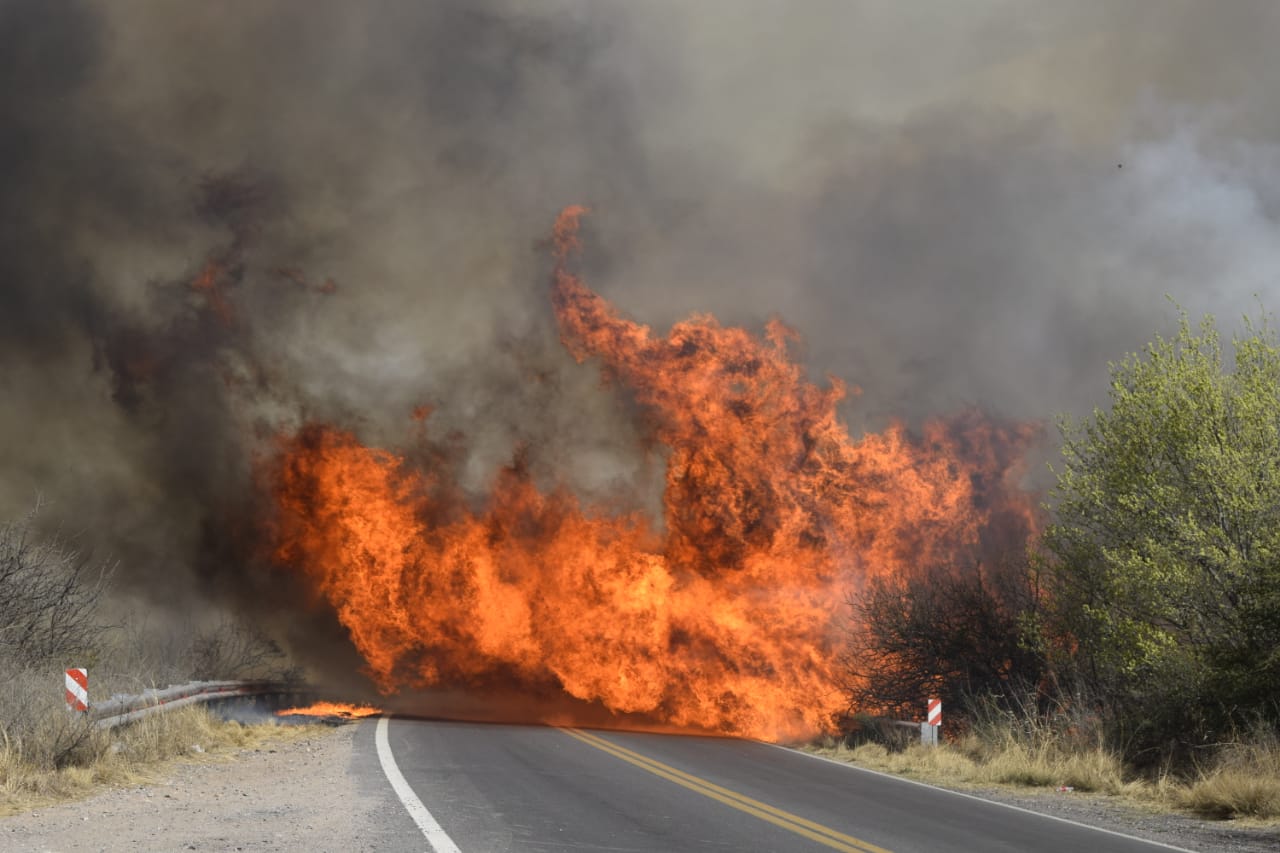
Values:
[(953, 207), (980, 204)]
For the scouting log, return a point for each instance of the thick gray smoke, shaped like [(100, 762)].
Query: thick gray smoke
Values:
[(977, 205)]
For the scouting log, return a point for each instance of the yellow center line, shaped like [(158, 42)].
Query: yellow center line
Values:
[(794, 823)]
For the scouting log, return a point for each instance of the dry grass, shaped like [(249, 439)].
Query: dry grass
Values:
[(52, 615), (1241, 781), (1039, 758), (125, 755)]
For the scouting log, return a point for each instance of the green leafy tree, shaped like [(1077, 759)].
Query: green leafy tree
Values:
[(1165, 551)]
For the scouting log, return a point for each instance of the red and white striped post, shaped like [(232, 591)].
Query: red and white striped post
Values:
[(933, 722), (78, 689)]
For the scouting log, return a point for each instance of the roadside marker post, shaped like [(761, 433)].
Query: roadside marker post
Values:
[(933, 723), (77, 689)]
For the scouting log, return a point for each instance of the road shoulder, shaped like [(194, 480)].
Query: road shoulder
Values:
[(313, 792), (1108, 813)]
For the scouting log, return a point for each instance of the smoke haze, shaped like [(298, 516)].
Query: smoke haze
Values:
[(953, 207)]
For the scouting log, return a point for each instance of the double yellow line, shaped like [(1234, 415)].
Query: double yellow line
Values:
[(794, 823)]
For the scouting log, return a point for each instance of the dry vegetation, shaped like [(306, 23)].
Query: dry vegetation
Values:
[(1240, 779), (41, 769), (51, 617), (1243, 779)]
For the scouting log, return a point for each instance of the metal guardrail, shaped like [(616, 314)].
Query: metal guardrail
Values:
[(119, 710)]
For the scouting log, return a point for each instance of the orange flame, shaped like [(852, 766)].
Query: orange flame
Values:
[(731, 618), (331, 709)]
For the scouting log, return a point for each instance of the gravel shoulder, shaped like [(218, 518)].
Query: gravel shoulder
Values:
[(1190, 833), (300, 793)]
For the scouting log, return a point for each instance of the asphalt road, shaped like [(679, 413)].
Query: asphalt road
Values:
[(492, 788)]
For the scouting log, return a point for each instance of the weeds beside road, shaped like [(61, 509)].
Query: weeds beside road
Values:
[(292, 791), (1241, 780), (53, 605), (129, 754)]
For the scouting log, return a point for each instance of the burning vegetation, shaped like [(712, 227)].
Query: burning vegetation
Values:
[(344, 710), (727, 614)]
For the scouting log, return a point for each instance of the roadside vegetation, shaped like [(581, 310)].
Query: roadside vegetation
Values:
[(53, 602), (1237, 780), (1135, 650), (64, 759)]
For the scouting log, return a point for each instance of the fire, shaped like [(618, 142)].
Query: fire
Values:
[(729, 616), (331, 709)]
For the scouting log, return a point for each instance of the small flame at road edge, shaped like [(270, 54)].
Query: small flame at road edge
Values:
[(331, 709)]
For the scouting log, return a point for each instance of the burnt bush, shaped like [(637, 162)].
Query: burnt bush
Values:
[(954, 635)]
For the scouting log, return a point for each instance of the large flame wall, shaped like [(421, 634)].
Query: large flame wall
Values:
[(728, 616)]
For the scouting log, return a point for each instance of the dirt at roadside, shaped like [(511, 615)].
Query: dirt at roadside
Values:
[(1180, 831), (1183, 831), (291, 795), (1177, 830)]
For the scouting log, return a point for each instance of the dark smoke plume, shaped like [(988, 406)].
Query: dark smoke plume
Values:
[(221, 220)]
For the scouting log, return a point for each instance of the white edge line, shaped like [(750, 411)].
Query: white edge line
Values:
[(437, 838), (979, 799)]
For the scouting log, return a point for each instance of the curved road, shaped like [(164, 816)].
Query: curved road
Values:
[(482, 788)]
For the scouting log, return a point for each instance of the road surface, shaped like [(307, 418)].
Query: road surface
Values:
[(480, 788)]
